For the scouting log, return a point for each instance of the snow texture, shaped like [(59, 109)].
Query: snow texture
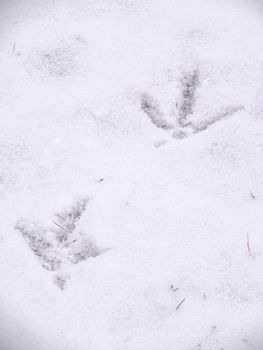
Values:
[(131, 187)]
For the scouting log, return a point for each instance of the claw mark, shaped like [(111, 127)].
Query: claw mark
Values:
[(189, 84), (69, 218), (227, 112), (151, 107)]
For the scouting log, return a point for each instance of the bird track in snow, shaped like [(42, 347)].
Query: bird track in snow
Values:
[(182, 126)]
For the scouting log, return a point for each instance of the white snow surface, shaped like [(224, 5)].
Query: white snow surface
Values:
[(174, 219)]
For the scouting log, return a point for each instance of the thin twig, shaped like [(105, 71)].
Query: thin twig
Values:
[(180, 304), (63, 228), (252, 195), (248, 244), (174, 289)]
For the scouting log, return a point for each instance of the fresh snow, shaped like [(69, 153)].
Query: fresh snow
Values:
[(131, 159)]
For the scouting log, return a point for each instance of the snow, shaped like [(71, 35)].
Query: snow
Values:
[(151, 113)]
